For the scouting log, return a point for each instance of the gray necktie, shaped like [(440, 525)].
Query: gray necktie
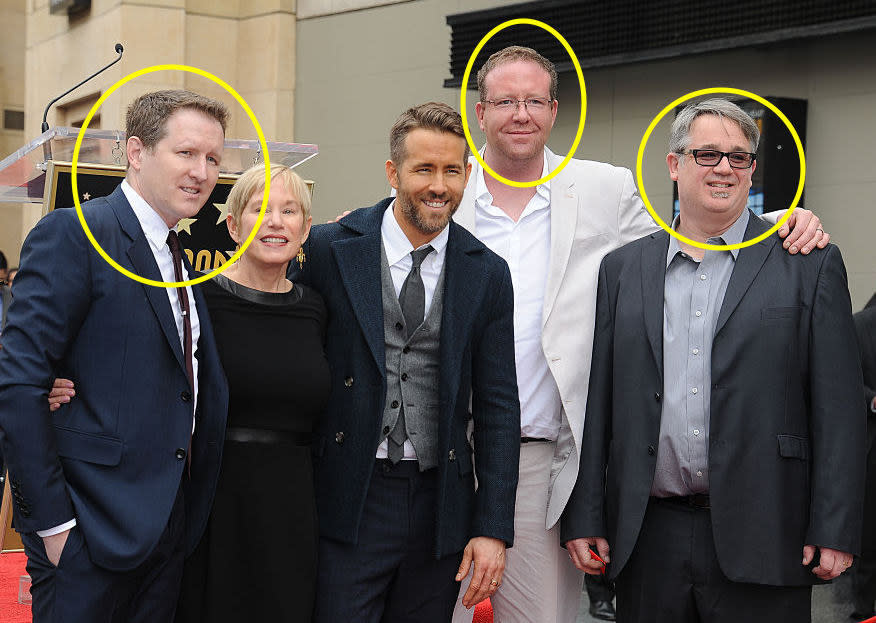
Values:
[(412, 299)]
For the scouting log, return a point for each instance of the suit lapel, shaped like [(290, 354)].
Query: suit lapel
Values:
[(463, 284), (653, 277), (143, 263), (359, 263), (564, 219), (748, 264)]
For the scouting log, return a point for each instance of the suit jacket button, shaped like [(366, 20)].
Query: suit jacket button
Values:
[(394, 404), (404, 376), (406, 350), (386, 430), (651, 450), (186, 395), (657, 396), (348, 381), (339, 437), (399, 326), (451, 455), (180, 454)]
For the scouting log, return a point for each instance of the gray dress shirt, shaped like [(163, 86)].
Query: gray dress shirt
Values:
[(692, 296)]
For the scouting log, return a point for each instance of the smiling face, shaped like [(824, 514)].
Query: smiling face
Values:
[(177, 174), (519, 134), (283, 230), (718, 191), (430, 182)]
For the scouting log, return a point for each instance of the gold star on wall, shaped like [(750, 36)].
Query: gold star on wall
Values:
[(223, 212), (185, 225)]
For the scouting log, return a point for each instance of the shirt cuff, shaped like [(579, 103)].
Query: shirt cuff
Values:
[(57, 529), (873, 405)]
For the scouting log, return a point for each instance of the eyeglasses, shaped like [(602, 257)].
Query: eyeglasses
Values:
[(532, 104), (712, 157)]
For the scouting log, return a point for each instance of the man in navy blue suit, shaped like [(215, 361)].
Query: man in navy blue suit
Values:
[(112, 490), (421, 344)]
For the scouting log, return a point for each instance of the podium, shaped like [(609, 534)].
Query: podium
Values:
[(40, 173)]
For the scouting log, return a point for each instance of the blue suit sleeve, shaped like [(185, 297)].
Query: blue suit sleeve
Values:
[(51, 299)]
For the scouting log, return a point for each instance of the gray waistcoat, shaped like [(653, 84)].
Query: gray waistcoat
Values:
[(419, 366)]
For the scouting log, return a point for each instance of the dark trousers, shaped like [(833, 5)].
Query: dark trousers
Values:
[(864, 570), (391, 575), (78, 591), (599, 588), (673, 577)]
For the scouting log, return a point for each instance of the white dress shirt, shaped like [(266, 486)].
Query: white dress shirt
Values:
[(526, 246), (156, 233), (398, 254)]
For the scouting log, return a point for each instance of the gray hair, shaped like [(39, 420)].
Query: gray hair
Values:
[(679, 138)]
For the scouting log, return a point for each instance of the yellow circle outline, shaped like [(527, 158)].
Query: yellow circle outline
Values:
[(705, 245), (262, 143), (465, 76)]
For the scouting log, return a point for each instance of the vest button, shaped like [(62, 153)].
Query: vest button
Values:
[(651, 450), (186, 395), (657, 396), (399, 326), (404, 376), (406, 350), (348, 381), (451, 456), (386, 430), (394, 404), (339, 437), (180, 454)]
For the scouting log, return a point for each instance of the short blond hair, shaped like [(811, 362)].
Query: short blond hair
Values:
[(517, 53), (252, 181)]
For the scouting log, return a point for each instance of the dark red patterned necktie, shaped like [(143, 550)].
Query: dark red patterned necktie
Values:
[(176, 252)]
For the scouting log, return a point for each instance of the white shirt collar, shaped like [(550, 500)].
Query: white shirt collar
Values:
[(396, 243), (483, 198), (153, 225)]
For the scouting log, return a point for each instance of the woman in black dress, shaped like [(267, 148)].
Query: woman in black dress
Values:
[(257, 559)]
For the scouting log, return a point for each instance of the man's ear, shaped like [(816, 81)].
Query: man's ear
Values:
[(673, 162), (392, 174), (479, 113), (134, 149)]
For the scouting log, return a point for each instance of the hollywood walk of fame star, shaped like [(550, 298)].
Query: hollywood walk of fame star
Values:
[(185, 225), (223, 212)]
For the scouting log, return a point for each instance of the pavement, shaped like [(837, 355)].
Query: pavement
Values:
[(830, 603)]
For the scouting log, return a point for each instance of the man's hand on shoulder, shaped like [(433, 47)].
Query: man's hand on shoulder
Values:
[(579, 552), (488, 557), (831, 562), (803, 232)]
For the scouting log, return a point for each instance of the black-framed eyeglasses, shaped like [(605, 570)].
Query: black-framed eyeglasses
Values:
[(711, 158), (532, 104)]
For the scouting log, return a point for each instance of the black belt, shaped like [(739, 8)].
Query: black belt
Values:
[(261, 435), (534, 439), (697, 500)]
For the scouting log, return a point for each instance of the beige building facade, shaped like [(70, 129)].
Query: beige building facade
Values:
[(338, 72)]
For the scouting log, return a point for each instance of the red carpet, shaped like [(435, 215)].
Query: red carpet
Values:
[(12, 568)]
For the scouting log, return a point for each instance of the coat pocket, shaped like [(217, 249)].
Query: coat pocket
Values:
[(89, 447), (793, 447)]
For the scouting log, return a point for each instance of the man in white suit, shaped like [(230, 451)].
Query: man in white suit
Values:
[(553, 237)]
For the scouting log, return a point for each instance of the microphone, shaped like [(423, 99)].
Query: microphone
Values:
[(119, 51)]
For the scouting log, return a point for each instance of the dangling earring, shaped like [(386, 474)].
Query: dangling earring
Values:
[(301, 257)]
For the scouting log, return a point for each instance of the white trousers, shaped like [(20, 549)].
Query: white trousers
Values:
[(540, 584)]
